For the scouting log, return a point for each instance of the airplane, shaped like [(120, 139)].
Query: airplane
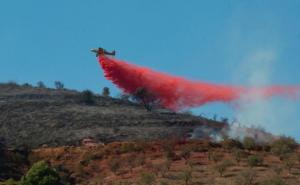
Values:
[(101, 51)]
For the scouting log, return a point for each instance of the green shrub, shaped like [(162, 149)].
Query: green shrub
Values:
[(106, 92), (214, 156), (283, 145), (10, 182), (274, 181), (127, 147), (221, 167), (246, 177), (237, 154), (255, 160), (114, 164), (249, 143), (147, 179), (87, 97), (186, 153), (168, 152), (59, 85), (41, 174), (41, 84), (289, 163), (230, 144), (187, 177)]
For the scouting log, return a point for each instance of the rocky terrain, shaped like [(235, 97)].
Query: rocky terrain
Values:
[(34, 117)]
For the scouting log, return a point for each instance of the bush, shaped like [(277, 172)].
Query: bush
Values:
[(147, 179), (41, 84), (283, 145), (168, 152), (221, 167), (289, 163), (187, 177), (105, 92), (87, 97), (41, 174), (185, 153), (229, 144), (255, 160), (59, 85), (146, 98), (10, 182), (237, 154), (127, 147), (249, 143), (214, 156), (274, 181), (278, 170), (246, 177), (114, 164)]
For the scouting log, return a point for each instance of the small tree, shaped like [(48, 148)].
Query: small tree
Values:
[(283, 146), (246, 177), (185, 153), (147, 179), (59, 85), (274, 181), (169, 152), (289, 163), (146, 98), (237, 154), (41, 84), (221, 167), (87, 97), (41, 174), (214, 156), (187, 177), (106, 92), (255, 160), (10, 182), (249, 143), (230, 144), (114, 165)]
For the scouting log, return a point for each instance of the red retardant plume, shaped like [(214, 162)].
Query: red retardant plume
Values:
[(177, 93)]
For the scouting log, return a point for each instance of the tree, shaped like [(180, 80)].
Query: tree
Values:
[(185, 153), (246, 177), (87, 97), (289, 163), (59, 85), (41, 84), (255, 160), (237, 154), (249, 143), (114, 164), (147, 179), (187, 177), (274, 181), (283, 146), (145, 97), (41, 174), (106, 92), (221, 167), (10, 182)]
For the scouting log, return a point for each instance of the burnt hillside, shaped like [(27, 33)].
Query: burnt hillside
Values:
[(34, 117)]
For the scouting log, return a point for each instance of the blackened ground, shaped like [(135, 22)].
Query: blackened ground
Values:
[(33, 117)]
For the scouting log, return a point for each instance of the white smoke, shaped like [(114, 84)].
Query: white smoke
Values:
[(271, 114)]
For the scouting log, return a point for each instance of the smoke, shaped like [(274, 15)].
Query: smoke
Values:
[(177, 93), (257, 70)]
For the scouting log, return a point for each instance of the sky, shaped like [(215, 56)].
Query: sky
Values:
[(227, 42)]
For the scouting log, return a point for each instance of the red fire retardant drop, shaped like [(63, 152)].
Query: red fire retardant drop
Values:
[(177, 93)]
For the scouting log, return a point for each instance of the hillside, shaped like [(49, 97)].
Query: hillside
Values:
[(34, 117)]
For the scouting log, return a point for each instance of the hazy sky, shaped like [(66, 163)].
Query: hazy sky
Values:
[(220, 41)]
